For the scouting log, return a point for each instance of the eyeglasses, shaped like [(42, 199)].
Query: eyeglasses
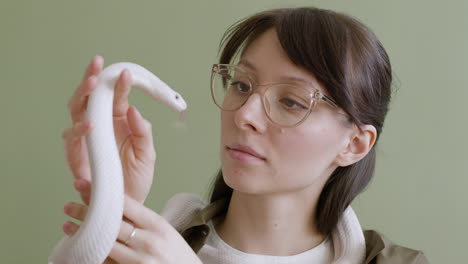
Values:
[(285, 104)]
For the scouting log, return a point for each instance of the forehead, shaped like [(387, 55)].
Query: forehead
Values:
[(266, 61)]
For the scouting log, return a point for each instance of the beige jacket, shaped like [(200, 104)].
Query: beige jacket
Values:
[(379, 250)]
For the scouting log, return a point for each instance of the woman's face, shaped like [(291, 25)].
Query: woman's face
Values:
[(281, 159)]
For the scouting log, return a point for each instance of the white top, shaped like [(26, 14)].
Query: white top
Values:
[(217, 251), (346, 244)]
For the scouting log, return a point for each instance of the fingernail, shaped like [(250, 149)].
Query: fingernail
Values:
[(80, 125), (137, 112), (85, 124), (66, 208), (80, 185), (126, 72), (77, 126), (98, 58), (68, 228)]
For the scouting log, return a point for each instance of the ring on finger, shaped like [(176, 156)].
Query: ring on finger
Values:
[(132, 234)]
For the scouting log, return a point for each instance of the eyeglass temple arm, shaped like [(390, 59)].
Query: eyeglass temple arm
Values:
[(329, 101)]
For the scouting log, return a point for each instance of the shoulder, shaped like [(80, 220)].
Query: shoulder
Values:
[(180, 209), (380, 250)]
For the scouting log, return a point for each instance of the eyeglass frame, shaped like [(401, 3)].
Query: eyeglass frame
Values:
[(315, 94)]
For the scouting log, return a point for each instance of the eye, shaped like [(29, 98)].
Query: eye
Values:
[(291, 104), (241, 86)]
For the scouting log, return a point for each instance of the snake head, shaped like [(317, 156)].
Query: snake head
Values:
[(169, 97)]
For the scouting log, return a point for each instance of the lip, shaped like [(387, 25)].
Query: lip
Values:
[(244, 153)]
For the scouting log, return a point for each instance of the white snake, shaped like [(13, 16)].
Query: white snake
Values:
[(93, 241)]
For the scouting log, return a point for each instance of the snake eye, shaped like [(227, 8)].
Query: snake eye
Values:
[(177, 97)]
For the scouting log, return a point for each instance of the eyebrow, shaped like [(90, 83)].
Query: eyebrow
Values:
[(248, 64)]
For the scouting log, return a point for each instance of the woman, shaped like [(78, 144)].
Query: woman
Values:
[(303, 95)]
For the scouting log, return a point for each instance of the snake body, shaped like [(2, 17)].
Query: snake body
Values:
[(93, 241)]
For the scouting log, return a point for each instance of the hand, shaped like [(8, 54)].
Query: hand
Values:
[(154, 239), (133, 135)]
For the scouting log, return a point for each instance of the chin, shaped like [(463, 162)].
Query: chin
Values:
[(243, 181)]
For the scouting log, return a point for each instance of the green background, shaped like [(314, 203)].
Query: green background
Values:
[(418, 197)]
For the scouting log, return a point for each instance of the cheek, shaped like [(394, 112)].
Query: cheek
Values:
[(309, 152), (227, 123)]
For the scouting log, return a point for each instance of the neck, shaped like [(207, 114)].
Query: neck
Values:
[(273, 224)]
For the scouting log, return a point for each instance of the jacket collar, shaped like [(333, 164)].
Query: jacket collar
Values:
[(207, 213), (374, 245), (374, 241)]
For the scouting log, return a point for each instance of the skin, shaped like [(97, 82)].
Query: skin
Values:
[(272, 210)]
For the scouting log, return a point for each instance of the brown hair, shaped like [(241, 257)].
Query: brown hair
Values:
[(348, 59)]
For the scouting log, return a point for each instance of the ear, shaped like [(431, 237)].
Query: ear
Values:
[(359, 144)]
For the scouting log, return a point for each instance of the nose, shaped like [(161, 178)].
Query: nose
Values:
[(251, 115)]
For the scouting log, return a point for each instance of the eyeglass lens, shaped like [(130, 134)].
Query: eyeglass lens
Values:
[(284, 104)]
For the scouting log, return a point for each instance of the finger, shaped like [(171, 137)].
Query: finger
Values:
[(75, 210), (125, 233), (141, 135), (136, 238), (143, 217), (79, 99), (83, 186), (123, 254), (109, 261), (78, 130), (72, 137), (76, 150), (70, 228), (122, 90), (94, 67)]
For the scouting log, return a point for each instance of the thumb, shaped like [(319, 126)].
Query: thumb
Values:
[(141, 137)]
